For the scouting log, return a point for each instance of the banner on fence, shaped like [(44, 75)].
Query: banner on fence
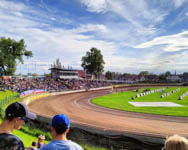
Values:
[(30, 92)]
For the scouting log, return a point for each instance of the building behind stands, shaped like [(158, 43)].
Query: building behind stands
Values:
[(69, 73)]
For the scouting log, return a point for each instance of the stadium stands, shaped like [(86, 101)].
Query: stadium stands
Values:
[(50, 84)]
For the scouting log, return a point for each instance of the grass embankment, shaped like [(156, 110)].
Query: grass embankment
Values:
[(10, 97), (120, 101), (29, 134)]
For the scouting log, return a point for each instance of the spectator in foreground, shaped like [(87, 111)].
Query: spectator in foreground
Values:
[(60, 126), (176, 142), (16, 115), (41, 139), (33, 146)]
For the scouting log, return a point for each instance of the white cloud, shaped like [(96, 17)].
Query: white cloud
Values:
[(18, 14), (139, 19), (50, 43), (97, 6), (174, 42), (47, 45), (11, 6), (178, 3), (138, 13), (52, 18), (91, 28)]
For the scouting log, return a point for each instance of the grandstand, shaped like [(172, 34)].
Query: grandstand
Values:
[(64, 73), (69, 73)]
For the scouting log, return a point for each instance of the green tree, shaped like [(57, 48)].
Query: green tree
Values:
[(47, 75), (168, 73), (162, 77), (109, 75), (35, 75), (93, 62), (185, 74), (144, 73), (11, 52)]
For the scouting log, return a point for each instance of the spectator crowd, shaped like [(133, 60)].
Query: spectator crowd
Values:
[(49, 84), (17, 114)]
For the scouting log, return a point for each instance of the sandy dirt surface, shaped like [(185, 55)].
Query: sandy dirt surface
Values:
[(81, 111)]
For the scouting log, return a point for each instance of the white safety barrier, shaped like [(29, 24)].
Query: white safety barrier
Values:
[(170, 93), (182, 96), (149, 92)]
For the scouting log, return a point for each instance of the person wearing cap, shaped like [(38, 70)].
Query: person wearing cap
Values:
[(41, 139), (16, 115), (60, 126)]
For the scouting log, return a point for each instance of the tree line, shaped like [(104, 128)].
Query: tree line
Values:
[(12, 52)]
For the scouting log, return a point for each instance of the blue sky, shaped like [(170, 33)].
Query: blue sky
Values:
[(133, 35)]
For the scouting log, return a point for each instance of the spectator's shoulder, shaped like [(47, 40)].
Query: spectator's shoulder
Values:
[(75, 145), (45, 147)]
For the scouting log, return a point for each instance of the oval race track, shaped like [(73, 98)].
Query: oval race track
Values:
[(80, 111)]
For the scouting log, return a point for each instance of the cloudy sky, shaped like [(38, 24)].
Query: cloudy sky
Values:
[(133, 35)]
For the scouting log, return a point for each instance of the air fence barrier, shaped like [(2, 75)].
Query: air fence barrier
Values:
[(170, 93), (96, 136), (149, 92), (182, 96)]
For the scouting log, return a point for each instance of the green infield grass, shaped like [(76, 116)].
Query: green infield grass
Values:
[(120, 101)]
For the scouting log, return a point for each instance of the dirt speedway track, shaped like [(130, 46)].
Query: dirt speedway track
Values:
[(80, 111)]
